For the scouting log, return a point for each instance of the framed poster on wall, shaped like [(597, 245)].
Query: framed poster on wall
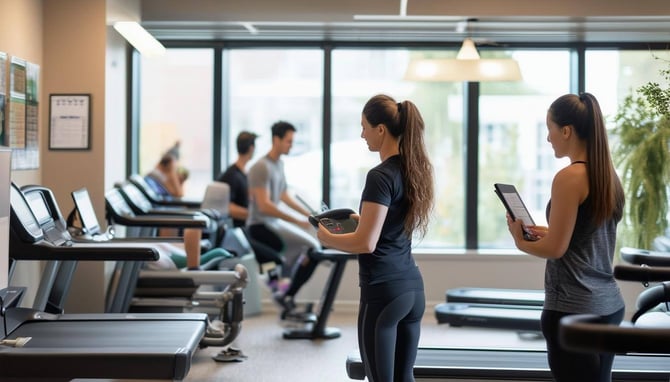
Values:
[(69, 121)]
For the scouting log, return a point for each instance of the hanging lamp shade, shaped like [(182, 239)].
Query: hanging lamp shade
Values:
[(467, 66)]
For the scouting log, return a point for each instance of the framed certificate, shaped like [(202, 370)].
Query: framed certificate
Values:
[(69, 121)]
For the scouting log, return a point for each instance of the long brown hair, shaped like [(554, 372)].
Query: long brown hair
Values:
[(584, 114), (404, 121)]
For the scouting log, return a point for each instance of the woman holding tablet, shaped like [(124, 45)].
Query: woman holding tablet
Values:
[(397, 200), (585, 207)]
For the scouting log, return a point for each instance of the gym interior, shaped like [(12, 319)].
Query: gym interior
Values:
[(608, 48)]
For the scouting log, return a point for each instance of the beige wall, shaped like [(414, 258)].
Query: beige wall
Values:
[(75, 39)]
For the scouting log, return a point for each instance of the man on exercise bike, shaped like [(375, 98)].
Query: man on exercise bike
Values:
[(235, 176), (267, 222)]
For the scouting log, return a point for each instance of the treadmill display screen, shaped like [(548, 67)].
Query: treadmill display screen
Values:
[(23, 213), (82, 202), (39, 208)]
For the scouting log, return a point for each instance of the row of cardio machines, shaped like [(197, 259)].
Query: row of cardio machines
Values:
[(642, 345), (132, 201), (128, 208), (43, 343)]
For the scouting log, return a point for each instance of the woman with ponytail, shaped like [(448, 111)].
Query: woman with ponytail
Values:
[(585, 207), (396, 202)]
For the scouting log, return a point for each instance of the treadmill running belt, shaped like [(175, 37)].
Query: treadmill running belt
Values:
[(515, 317), (496, 296), (513, 364), (102, 349)]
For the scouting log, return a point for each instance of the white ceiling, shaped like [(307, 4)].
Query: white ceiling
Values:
[(409, 20)]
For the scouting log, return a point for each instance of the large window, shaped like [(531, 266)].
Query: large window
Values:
[(360, 74), (512, 140), (176, 104), (268, 85), (261, 85)]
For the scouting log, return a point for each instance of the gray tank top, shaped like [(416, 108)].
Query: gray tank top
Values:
[(582, 280)]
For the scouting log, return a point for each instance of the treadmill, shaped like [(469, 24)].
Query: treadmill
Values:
[(516, 309), (531, 365), (520, 309), (35, 345), (227, 304), (508, 308)]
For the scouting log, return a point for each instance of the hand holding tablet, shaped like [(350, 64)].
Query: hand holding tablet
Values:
[(515, 208), (336, 221)]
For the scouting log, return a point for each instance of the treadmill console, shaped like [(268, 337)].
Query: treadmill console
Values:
[(22, 217)]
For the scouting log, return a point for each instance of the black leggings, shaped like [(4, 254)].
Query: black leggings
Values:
[(266, 244), (389, 325), (568, 366)]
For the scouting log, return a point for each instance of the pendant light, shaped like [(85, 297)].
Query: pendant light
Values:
[(467, 66)]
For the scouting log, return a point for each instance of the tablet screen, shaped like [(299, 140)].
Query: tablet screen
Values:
[(513, 203)]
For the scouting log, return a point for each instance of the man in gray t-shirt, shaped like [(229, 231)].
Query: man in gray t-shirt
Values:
[(267, 174), (267, 188)]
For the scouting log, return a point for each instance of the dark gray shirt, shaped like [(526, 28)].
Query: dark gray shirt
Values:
[(582, 280)]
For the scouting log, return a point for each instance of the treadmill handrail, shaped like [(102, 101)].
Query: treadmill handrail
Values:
[(173, 221), (582, 333), (103, 251), (644, 274), (118, 211), (643, 256), (142, 185), (141, 204)]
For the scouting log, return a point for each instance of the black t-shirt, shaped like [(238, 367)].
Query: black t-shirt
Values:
[(392, 257), (239, 189)]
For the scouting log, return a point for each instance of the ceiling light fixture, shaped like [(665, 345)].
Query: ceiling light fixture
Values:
[(139, 38), (467, 66)]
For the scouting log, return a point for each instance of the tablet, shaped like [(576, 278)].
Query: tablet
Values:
[(336, 221), (515, 207)]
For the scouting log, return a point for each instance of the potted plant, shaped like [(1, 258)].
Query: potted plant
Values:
[(641, 139)]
